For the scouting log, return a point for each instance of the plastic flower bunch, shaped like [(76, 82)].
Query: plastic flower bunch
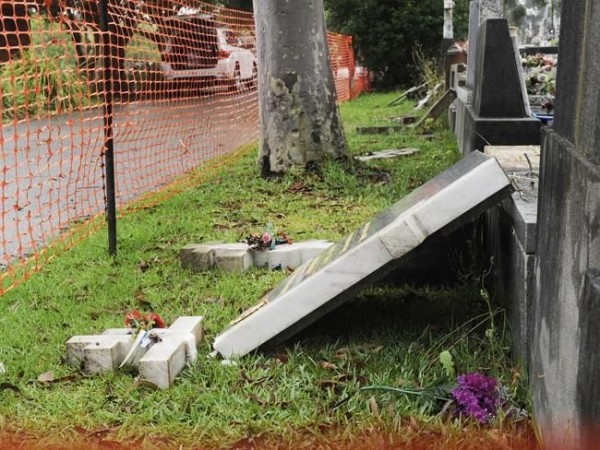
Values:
[(135, 320), (477, 396)]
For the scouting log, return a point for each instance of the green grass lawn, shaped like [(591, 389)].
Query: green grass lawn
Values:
[(389, 335)]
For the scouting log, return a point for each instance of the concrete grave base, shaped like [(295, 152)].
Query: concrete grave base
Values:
[(159, 365), (238, 257), (478, 132), (512, 231)]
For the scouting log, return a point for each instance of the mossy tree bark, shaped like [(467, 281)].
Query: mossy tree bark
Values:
[(300, 122)]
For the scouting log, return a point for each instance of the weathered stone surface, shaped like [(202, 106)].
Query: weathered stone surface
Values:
[(231, 260), (521, 208), (197, 257), (578, 102), (164, 360), (564, 368), (512, 230), (161, 364), (568, 247), (367, 254), (100, 353)]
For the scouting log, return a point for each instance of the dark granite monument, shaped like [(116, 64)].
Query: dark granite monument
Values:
[(458, 194), (497, 113), (565, 369)]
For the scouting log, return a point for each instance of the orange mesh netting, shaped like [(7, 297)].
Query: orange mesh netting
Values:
[(183, 96)]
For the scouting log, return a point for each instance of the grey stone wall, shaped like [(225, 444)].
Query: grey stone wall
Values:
[(566, 347)]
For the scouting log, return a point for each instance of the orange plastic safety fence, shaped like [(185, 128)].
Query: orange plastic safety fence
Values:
[(184, 78)]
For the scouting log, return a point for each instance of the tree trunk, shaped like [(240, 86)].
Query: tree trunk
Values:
[(300, 123)]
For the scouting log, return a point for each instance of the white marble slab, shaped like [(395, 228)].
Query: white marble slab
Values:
[(319, 285)]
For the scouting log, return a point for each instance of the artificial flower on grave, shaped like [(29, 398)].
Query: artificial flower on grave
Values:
[(136, 320), (477, 396), (474, 396), (145, 336), (267, 240)]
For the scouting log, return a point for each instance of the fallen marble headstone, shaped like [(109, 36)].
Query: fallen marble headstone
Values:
[(373, 250), (405, 120), (382, 129), (438, 107), (391, 153)]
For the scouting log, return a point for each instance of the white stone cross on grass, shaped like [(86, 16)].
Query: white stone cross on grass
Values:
[(160, 364)]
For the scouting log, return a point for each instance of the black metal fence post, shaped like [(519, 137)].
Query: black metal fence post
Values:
[(109, 162)]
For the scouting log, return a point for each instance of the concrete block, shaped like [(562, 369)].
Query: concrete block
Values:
[(232, 259), (164, 360), (101, 352), (189, 325), (289, 256), (197, 257), (285, 256), (311, 249), (522, 207), (106, 356)]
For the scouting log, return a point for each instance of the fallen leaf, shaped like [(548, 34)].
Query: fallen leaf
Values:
[(328, 384), (369, 347), (361, 380), (282, 358), (79, 429), (342, 352), (299, 187), (374, 407), (46, 377), (413, 424), (328, 366)]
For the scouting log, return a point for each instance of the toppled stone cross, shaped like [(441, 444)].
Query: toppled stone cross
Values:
[(160, 365)]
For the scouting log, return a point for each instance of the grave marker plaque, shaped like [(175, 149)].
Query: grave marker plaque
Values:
[(367, 254)]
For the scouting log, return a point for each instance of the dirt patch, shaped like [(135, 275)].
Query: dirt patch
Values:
[(410, 438)]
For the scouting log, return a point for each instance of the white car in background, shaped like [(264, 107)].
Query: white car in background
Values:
[(236, 63), (196, 49)]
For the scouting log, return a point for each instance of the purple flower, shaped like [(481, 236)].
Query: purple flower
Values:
[(476, 396)]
